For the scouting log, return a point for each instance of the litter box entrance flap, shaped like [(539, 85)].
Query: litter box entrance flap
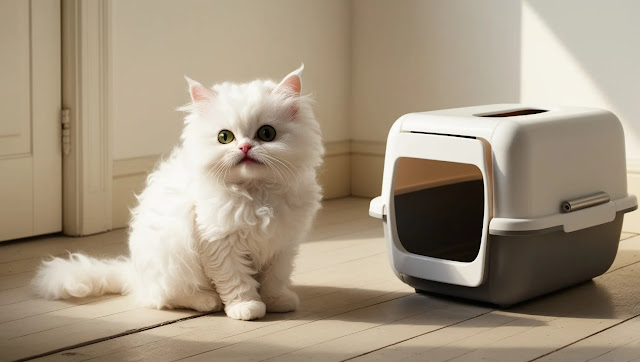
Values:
[(441, 208)]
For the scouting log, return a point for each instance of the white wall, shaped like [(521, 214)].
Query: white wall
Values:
[(155, 43), (585, 53), (414, 55), (370, 61)]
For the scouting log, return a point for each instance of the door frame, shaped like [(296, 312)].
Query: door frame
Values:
[(87, 94)]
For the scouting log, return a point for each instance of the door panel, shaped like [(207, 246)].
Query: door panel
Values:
[(15, 133), (30, 97)]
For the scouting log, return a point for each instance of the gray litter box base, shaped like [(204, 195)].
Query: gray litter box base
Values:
[(527, 266)]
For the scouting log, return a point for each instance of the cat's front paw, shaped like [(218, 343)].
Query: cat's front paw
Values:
[(285, 301), (246, 311)]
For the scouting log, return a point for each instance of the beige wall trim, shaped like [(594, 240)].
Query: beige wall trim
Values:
[(367, 160), (350, 168), (86, 71), (134, 166), (632, 219), (335, 174), (129, 177), (633, 165), (337, 148), (372, 148)]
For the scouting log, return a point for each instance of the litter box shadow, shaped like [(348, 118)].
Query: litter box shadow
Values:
[(585, 300), (615, 294), (376, 307)]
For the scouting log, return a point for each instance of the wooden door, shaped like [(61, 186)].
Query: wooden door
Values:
[(30, 102)]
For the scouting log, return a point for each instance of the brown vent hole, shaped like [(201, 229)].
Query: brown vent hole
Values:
[(520, 112)]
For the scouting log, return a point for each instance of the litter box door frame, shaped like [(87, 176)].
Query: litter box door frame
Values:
[(440, 148)]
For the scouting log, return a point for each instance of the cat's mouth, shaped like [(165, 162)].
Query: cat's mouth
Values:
[(248, 160)]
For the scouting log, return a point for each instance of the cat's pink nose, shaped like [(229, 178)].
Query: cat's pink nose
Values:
[(245, 147)]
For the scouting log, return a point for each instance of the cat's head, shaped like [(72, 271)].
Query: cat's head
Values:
[(257, 131)]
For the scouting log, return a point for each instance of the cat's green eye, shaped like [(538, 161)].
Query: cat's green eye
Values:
[(266, 133), (225, 136)]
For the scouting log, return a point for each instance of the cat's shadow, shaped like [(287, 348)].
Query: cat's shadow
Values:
[(590, 300)]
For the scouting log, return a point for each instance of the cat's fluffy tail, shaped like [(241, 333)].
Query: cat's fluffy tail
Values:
[(82, 276)]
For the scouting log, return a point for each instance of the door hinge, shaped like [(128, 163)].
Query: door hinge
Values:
[(66, 131)]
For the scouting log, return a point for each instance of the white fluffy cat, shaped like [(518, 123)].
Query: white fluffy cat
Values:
[(220, 220)]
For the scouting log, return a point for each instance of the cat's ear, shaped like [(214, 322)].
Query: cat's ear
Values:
[(292, 83), (199, 93)]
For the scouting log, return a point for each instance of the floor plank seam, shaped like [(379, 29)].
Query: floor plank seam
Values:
[(328, 267), (416, 336), (586, 337), (352, 309), (282, 321), (631, 235), (4, 290), (49, 300), (621, 267), (296, 326), (604, 353), (98, 340), (360, 258), (55, 310), (66, 252), (349, 334), (233, 335), (229, 336)]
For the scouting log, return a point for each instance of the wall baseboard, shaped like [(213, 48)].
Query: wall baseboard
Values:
[(367, 160), (129, 177), (633, 165), (632, 219), (351, 168), (335, 174)]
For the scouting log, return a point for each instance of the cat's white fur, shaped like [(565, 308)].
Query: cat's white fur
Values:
[(210, 231)]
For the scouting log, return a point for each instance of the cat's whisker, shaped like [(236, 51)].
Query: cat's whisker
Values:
[(290, 166), (216, 166), (279, 170), (282, 174), (211, 173), (226, 173), (274, 172), (282, 162), (280, 178), (218, 174), (216, 171)]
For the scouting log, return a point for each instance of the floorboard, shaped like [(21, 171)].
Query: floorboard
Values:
[(618, 343), (353, 308)]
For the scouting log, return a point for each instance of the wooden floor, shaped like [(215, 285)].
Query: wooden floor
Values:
[(353, 307)]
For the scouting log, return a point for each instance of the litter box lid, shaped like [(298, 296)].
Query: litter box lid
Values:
[(525, 199)]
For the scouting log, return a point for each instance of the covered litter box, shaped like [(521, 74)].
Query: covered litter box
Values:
[(502, 203)]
